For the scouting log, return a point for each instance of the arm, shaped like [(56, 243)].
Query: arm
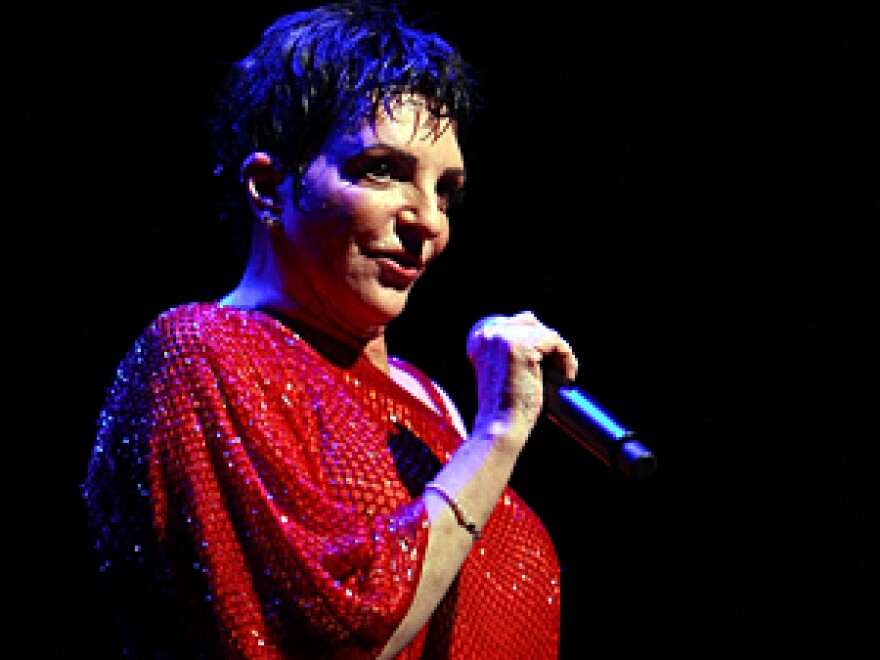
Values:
[(506, 353)]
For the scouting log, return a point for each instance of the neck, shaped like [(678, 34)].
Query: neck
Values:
[(334, 342)]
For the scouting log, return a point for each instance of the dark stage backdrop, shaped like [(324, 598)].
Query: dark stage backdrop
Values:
[(684, 190)]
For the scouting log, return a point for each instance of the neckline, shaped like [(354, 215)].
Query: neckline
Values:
[(336, 352), (345, 357)]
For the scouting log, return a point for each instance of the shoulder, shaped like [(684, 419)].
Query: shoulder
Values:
[(226, 335), (203, 329), (452, 410), (428, 390), (207, 322), (197, 316)]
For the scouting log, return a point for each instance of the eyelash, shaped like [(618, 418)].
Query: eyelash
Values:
[(381, 170), (452, 193), (384, 170)]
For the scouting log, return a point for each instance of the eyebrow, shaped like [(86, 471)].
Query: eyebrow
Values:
[(448, 173)]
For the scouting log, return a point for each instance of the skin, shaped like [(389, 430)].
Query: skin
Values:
[(373, 216)]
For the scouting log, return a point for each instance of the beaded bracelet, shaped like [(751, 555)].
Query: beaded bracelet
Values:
[(463, 518)]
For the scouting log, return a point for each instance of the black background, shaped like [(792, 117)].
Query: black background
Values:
[(687, 193)]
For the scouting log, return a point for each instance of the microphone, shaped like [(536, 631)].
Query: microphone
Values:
[(571, 409)]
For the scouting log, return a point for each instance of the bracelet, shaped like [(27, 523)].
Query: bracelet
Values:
[(463, 518)]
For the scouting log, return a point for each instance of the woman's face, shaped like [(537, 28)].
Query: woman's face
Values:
[(373, 213)]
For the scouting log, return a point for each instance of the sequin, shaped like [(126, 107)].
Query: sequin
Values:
[(258, 500)]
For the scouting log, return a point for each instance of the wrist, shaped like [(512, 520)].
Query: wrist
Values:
[(462, 517), (504, 436)]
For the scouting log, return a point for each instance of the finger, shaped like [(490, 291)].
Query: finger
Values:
[(480, 329), (484, 322), (553, 346), (527, 317)]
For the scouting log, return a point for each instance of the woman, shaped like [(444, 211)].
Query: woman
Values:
[(267, 480)]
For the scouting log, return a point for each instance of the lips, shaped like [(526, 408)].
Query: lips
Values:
[(400, 267)]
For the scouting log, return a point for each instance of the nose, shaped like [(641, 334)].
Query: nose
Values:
[(421, 214)]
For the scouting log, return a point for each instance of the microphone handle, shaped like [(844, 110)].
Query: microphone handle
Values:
[(577, 414)]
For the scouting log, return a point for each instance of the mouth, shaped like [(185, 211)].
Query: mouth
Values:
[(400, 268)]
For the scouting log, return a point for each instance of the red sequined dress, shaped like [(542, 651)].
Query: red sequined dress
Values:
[(251, 498)]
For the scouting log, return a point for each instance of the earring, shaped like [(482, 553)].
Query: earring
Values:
[(270, 221)]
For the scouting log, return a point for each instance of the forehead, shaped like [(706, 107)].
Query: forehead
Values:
[(404, 122)]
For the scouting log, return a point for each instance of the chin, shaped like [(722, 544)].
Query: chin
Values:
[(390, 305)]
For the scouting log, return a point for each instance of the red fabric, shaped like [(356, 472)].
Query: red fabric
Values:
[(279, 522)]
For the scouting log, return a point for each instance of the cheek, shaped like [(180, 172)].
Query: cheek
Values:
[(323, 192), (332, 211), (440, 242), (368, 212)]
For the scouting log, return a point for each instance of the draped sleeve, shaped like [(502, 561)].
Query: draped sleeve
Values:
[(243, 493)]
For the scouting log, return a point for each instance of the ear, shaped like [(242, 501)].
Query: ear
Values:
[(262, 177)]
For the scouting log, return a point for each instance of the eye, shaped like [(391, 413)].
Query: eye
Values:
[(377, 169), (450, 192)]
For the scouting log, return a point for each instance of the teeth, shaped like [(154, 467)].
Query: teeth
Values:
[(400, 259)]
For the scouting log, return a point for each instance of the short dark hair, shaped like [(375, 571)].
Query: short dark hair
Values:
[(315, 68)]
